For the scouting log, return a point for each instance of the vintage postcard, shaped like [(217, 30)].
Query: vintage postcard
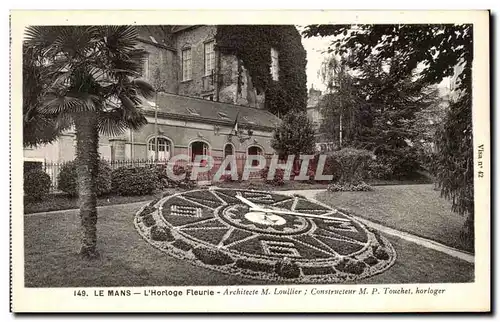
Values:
[(250, 161)]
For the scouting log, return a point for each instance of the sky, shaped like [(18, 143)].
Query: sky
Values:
[(314, 47)]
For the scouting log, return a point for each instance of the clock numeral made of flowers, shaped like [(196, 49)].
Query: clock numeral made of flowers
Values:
[(264, 235)]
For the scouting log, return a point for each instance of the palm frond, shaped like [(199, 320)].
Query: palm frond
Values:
[(115, 122)]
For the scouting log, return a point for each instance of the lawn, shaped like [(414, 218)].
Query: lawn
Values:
[(51, 244), (61, 201), (417, 209)]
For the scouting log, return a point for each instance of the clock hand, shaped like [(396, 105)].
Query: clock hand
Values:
[(293, 213), (248, 202)]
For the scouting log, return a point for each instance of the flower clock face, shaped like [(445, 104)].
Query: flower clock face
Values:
[(264, 235)]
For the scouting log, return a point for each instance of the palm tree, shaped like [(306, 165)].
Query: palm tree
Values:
[(89, 79)]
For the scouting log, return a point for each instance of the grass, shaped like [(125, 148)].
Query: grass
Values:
[(417, 209), (52, 243), (54, 202)]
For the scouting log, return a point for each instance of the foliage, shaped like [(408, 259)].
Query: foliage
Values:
[(442, 49), (36, 184), (338, 187), (133, 181), (294, 136), (89, 78), (438, 46), (453, 163), (351, 266), (252, 44), (148, 220), (67, 180), (254, 265), (212, 256), (32, 165), (286, 268), (353, 164), (161, 234), (278, 179)]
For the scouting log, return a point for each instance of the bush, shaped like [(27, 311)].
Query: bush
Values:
[(381, 253), (286, 268), (148, 220), (32, 165), (161, 234), (371, 260), (332, 167), (351, 266), (353, 164), (337, 187), (36, 184), (133, 181), (379, 170), (278, 179), (254, 265), (67, 180), (212, 256)]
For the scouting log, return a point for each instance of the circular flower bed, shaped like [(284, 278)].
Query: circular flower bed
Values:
[(263, 235)]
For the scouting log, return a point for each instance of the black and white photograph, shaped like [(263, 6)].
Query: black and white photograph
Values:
[(308, 161)]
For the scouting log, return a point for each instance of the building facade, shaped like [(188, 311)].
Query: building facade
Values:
[(201, 93)]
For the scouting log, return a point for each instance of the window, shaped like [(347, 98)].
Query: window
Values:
[(164, 148), (186, 64), (228, 150), (274, 64), (255, 150), (198, 148), (209, 58)]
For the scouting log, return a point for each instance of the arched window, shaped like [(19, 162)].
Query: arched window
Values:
[(255, 150), (164, 149), (228, 150), (198, 148)]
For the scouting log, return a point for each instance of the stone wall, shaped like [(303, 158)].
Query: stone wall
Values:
[(236, 85), (162, 68), (195, 39)]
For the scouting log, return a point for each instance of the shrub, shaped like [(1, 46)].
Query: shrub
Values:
[(133, 181), (254, 266), (371, 260), (317, 270), (332, 167), (32, 165), (336, 187), (379, 170), (36, 184), (161, 234), (351, 266), (353, 164), (381, 253), (147, 210), (278, 179), (148, 221), (212, 256), (67, 180), (180, 244), (286, 268)]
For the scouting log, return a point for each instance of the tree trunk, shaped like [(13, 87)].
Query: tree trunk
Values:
[(87, 156)]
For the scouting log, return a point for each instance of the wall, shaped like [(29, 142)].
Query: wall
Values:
[(182, 133), (236, 85), (162, 68), (194, 38)]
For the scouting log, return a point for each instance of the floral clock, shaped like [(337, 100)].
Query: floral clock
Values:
[(264, 235)]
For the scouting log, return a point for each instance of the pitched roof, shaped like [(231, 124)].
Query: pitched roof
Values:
[(206, 111)]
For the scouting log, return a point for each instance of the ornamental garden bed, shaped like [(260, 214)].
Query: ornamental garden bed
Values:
[(51, 244), (247, 233)]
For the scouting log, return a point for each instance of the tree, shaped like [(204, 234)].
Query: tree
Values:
[(294, 136), (89, 82), (437, 49)]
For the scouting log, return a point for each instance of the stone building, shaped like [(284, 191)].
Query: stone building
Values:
[(201, 91)]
